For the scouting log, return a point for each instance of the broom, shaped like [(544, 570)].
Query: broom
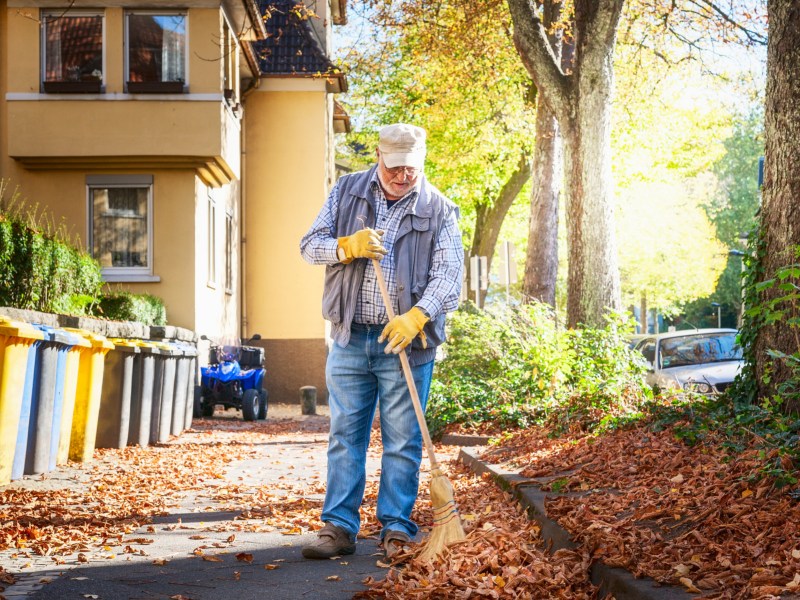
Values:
[(447, 527)]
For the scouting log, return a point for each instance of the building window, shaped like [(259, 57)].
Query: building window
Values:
[(156, 52), (229, 253), (230, 60), (121, 223), (72, 52), (212, 240)]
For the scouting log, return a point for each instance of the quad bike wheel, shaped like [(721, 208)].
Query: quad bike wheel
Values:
[(197, 403), (207, 408), (263, 395), (251, 402)]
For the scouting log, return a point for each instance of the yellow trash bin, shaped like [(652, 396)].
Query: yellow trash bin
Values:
[(16, 339), (70, 390), (87, 395)]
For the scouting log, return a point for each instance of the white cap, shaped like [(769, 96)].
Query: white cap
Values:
[(402, 145)]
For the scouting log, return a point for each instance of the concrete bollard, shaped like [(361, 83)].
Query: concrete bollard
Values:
[(308, 400)]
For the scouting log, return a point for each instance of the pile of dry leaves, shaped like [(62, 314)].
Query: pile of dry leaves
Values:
[(502, 556), (693, 516)]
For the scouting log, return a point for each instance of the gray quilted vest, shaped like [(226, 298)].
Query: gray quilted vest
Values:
[(413, 250)]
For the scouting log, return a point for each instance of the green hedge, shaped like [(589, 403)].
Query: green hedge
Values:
[(40, 272), (40, 269)]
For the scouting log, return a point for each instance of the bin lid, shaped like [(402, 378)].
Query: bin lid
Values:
[(126, 345), (10, 328), (95, 339), (60, 336), (187, 348), (147, 347), (168, 348)]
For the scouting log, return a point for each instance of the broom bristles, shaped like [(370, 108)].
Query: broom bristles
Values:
[(447, 527)]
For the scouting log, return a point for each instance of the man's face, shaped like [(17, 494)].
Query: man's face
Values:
[(396, 182)]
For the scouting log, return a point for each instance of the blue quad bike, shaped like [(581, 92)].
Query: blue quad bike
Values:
[(234, 378)]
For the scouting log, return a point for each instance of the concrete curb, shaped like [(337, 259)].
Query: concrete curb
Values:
[(612, 581), (460, 439)]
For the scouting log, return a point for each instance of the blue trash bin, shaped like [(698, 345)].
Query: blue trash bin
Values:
[(40, 429), (32, 367)]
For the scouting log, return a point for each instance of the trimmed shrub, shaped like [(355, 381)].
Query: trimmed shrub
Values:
[(124, 306)]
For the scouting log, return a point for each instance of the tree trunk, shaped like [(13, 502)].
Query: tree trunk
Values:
[(580, 99), (593, 279), (643, 313), (780, 218), (541, 260), (490, 218)]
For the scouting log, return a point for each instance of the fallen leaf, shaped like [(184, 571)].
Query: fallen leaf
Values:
[(244, 557), (689, 585)]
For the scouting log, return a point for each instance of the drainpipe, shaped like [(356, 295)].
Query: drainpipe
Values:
[(256, 81)]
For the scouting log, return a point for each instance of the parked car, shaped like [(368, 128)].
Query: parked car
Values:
[(704, 361)]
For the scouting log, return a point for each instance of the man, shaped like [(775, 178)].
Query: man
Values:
[(390, 213)]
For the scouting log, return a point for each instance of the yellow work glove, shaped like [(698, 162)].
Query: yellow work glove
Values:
[(365, 243), (402, 329)]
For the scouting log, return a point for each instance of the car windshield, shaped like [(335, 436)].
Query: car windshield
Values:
[(699, 349)]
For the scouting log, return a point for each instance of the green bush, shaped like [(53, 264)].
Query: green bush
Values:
[(512, 366), (124, 306), (40, 270)]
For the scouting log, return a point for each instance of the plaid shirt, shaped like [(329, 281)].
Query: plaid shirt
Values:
[(318, 247)]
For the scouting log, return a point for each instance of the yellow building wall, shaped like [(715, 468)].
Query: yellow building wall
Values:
[(286, 185), (114, 128), (171, 139), (62, 195)]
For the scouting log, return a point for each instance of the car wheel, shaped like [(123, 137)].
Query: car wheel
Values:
[(262, 404), (250, 405)]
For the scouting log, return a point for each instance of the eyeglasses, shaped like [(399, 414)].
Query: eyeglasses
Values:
[(395, 171)]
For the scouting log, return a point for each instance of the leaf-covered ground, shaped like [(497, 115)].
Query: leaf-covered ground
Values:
[(700, 516), (696, 517)]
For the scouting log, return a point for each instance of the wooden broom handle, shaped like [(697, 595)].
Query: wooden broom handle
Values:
[(412, 387)]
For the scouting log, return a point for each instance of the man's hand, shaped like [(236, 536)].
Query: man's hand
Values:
[(400, 331), (362, 244)]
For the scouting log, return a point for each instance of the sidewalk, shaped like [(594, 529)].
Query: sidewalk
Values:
[(218, 541)]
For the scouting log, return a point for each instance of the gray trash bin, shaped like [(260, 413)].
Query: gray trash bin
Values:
[(192, 388), (114, 419), (161, 426), (142, 394)]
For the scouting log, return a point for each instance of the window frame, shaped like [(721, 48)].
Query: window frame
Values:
[(229, 252), (154, 87), (231, 56), (70, 87), (122, 181)]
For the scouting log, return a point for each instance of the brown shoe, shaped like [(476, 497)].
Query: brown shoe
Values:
[(393, 542), (331, 541)]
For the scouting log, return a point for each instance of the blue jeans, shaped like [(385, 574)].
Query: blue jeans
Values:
[(359, 376)]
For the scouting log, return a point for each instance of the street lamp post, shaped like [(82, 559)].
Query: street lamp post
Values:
[(718, 306), (741, 255)]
